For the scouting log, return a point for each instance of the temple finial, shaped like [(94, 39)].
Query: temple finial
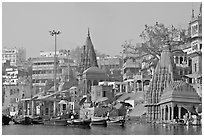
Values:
[(88, 32)]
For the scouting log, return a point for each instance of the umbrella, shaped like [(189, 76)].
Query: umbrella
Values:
[(82, 101), (126, 104), (62, 102), (101, 99), (117, 95)]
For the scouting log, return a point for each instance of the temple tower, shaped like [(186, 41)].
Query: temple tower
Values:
[(88, 56), (162, 77)]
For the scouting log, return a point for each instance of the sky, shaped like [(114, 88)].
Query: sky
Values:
[(111, 24)]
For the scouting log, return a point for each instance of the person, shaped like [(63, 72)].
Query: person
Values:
[(72, 117)]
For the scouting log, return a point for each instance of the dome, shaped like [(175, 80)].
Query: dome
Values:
[(94, 70), (179, 91)]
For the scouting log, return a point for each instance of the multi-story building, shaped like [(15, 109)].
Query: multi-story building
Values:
[(16, 85), (43, 70), (194, 52), (132, 62), (112, 66), (14, 55)]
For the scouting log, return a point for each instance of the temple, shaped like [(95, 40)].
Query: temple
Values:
[(168, 97)]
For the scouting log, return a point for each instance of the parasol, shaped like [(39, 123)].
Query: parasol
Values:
[(126, 104), (102, 99), (82, 101)]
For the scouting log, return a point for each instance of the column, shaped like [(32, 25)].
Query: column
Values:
[(179, 112), (172, 112), (161, 110), (165, 113), (33, 108), (23, 111), (169, 112), (54, 108), (121, 87), (126, 87)]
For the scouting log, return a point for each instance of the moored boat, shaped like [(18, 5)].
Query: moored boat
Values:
[(5, 120), (37, 120), (23, 120), (116, 122), (99, 121), (79, 122), (55, 122)]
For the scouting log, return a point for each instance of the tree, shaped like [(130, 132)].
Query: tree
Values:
[(155, 37)]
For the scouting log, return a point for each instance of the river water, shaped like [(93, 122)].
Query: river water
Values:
[(129, 129)]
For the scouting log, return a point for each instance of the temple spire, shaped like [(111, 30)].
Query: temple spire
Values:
[(192, 13), (88, 33)]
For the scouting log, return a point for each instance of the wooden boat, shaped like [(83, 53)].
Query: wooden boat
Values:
[(5, 120), (37, 120), (55, 122), (24, 120), (79, 122), (99, 121), (116, 122)]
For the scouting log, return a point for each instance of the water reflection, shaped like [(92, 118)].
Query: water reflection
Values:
[(129, 129)]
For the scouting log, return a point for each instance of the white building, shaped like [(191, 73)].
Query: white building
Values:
[(14, 55)]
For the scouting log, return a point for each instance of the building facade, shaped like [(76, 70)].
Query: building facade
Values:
[(14, 55)]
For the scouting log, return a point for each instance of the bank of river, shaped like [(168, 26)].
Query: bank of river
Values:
[(129, 129)]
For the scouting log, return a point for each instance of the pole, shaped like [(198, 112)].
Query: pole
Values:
[(55, 33)]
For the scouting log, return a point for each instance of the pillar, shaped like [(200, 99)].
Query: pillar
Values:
[(54, 108), (121, 87), (23, 111), (161, 110), (126, 87), (179, 112), (165, 113), (33, 108), (169, 112), (172, 112)]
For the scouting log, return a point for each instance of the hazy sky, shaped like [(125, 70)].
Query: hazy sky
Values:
[(27, 24)]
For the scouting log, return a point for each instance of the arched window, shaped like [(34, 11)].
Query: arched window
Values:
[(181, 60)]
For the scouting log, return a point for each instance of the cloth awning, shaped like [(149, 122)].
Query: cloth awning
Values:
[(194, 75), (191, 109), (63, 102), (102, 99)]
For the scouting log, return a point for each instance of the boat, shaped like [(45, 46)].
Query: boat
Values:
[(79, 122), (99, 121), (116, 122), (55, 122), (37, 120), (5, 120), (23, 120)]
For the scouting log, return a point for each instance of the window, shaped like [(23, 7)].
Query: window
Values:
[(195, 67), (189, 62), (104, 93), (64, 106), (181, 60)]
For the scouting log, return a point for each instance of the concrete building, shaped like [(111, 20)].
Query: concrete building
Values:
[(43, 71), (112, 66), (15, 55), (194, 52), (91, 77), (98, 92)]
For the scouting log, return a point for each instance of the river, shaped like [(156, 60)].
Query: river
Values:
[(129, 129)]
